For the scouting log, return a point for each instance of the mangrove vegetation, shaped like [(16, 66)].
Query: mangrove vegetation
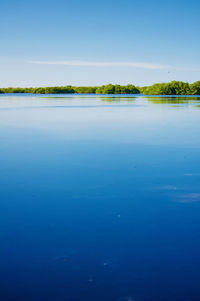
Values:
[(172, 88)]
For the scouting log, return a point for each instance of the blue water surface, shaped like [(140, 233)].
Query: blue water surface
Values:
[(99, 198)]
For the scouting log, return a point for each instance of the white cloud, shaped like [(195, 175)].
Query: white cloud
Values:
[(102, 64)]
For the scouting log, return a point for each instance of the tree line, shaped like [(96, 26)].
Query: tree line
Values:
[(172, 88), (105, 89)]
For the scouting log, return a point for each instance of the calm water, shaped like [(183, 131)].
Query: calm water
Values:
[(99, 198)]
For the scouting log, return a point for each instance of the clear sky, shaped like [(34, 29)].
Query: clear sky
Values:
[(95, 42)]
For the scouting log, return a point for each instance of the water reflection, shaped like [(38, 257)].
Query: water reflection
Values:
[(99, 198), (118, 99), (174, 99), (189, 197)]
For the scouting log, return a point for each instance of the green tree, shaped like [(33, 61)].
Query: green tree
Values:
[(195, 88)]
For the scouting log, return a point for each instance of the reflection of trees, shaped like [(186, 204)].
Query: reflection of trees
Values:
[(172, 99), (153, 99), (117, 99)]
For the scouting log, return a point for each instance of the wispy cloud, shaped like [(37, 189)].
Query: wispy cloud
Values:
[(102, 64)]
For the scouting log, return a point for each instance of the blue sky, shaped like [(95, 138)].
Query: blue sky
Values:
[(91, 43)]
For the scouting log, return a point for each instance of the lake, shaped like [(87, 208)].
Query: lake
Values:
[(99, 198)]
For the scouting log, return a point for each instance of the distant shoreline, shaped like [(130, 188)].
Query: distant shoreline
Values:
[(171, 88)]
